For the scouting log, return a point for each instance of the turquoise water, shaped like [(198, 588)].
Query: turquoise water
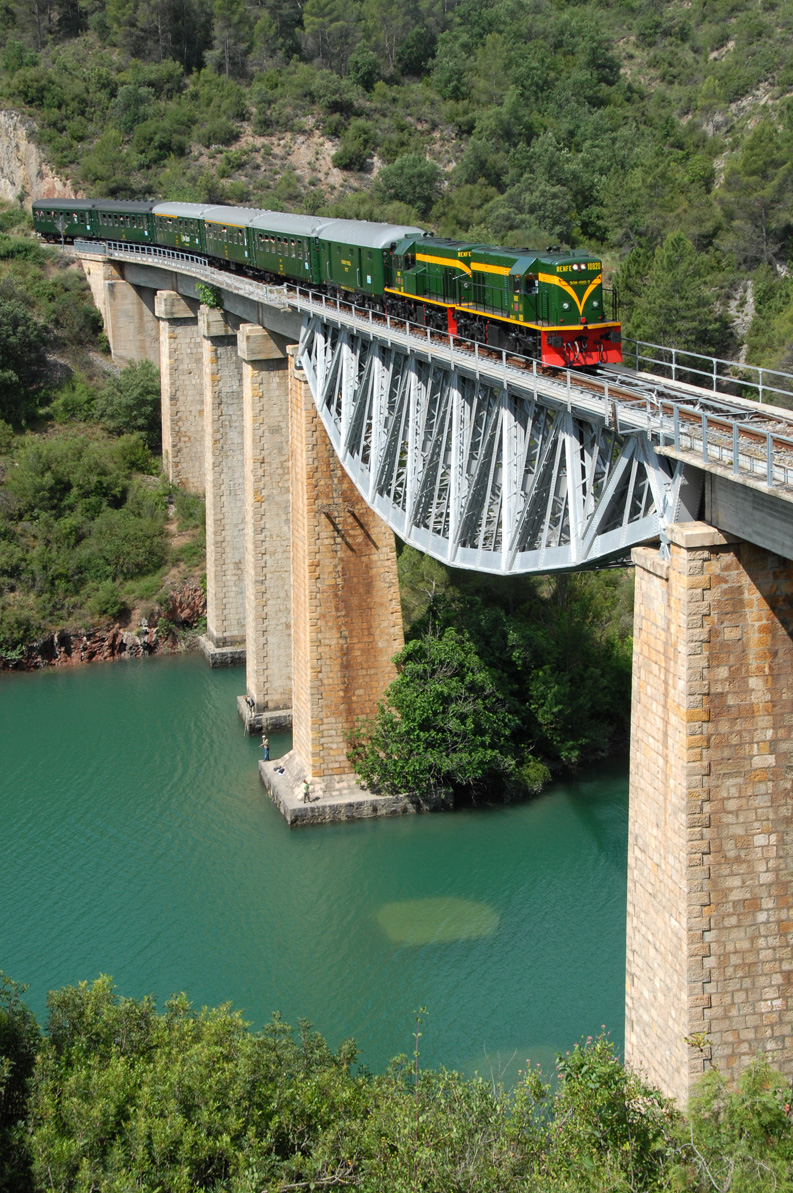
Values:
[(136, 840)]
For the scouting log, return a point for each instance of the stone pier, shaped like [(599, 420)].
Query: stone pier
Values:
[(710, 886), (127, 313), (224, 643), (268, 604), (182, 388), (346, 625)]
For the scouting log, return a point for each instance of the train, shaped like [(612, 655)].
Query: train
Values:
[(546, 305)]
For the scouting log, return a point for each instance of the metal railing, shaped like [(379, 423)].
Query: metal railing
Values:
[(749, 442), (730, 378)]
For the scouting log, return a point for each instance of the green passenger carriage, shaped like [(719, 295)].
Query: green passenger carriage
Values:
[(89, 219), (285, 246), (180, 226), (545, 304), (355, 256)]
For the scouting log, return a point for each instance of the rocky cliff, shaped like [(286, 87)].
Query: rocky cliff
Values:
[(24, 175)]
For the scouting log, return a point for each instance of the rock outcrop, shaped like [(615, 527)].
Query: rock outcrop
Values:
[(24, 175), (63, 649), (184, 609)]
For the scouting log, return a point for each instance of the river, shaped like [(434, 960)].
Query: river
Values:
[(136, 840)]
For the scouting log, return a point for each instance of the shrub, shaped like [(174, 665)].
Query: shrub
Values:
[(106, 601), (130, 402), (412, 179)]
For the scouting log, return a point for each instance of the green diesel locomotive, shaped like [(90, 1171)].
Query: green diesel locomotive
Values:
[(548, 305)]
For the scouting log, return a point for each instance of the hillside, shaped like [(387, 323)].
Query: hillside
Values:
[(659, 134)]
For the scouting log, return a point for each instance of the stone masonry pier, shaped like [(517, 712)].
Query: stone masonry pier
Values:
[(346, 626), (301, 575), (710, 890)]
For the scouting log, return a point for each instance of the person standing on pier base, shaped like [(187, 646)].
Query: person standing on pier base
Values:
[(266, 747)]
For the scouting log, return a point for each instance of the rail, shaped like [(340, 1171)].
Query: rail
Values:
[(713, 428)]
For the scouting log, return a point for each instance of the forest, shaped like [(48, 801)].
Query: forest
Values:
[(89, 529), (117, 1095), (659, 135)]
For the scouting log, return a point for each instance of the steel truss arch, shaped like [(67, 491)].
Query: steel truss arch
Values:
[(492, 476)]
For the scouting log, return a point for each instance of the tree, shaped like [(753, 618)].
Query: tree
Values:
[(756, 197), (330, 29), (443, 723), (19, 1043), (364, 67), (678, 308), (130, 402), (411, 179), (388, 23), (23, 362), (232, 37)]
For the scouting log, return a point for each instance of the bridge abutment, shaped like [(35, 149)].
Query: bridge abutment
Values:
[(181, 389), (127, 313), (224, 644), (268, 581), (710, 890)]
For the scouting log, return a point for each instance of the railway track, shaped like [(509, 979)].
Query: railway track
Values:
[(732, 434), (737, 436)]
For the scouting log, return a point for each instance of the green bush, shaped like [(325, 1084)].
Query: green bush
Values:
[(23, 362), (116, 1095), (357, 143), (130, 402), (412, 179), (105, 601)]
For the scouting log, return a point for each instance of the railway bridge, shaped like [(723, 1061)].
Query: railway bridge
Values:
[(317, 431)]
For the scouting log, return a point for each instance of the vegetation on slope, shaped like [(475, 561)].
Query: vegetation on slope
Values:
[(115, 1096), (501, 681), (86, 532), (660, 135)]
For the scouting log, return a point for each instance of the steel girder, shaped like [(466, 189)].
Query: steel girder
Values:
[(480, 476)]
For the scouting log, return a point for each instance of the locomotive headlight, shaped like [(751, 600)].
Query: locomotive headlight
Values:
[(565, 306), (595, 303)]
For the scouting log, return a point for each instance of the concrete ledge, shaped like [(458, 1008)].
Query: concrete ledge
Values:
[(694, 536), (650, 560), (335, 799), (268, 720), (213, 323), (168, 304), (221, 656)]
